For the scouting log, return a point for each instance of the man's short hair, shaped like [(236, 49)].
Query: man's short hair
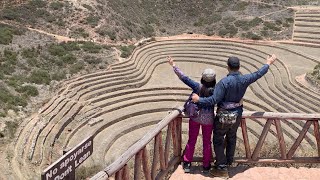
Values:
[(233, 63)]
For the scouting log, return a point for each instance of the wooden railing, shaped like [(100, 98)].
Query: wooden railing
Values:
[(173, 122)]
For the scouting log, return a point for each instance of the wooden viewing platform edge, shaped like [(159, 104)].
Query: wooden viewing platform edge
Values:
[(173, 122)]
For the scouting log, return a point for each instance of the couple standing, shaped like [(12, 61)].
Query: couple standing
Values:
[(227, 94)]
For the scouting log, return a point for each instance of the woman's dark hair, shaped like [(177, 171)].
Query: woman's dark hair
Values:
[(207, 88)]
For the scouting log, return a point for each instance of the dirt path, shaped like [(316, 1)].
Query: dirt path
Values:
[(247, 173)]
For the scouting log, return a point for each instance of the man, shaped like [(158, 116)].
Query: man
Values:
[(227, 95)]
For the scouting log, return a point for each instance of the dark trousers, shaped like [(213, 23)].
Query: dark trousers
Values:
[(222, 133)]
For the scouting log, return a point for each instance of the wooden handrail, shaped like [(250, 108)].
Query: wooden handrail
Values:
[(276, 115), (173, 134), (135, 148)]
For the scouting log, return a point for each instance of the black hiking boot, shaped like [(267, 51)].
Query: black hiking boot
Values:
[(220, 171)]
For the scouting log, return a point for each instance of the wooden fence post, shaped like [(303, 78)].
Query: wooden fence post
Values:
[(145, 162), (317, 134), (245, 138), (137, 165), (263, 136), (168, 143), (280, 139)]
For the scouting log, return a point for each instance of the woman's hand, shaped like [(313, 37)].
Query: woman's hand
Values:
[(170, 61)]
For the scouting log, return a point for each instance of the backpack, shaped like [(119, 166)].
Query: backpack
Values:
[(191, 109)]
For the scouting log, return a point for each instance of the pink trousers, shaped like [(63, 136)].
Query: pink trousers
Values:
[(194, 128)]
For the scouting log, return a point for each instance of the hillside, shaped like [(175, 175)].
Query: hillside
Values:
[(33, 60)]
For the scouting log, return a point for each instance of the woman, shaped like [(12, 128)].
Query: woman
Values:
[(204, 119)]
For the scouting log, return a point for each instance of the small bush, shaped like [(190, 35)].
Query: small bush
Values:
[(271, 26), (57, 50), (10, 56), (92, 60), (255, 22), (40, 77), (77, 67), (33, 62), (11, 128), (7, 33), (70, 46), (56, 5), (80, 32), (88, 7), (252, 36), (30, 53), (28, 90), (240, 6), (148, 30), (16, 80), (58, 76), (92, 20), (126, 51), (91, 47), (69, 59), (228, 29)]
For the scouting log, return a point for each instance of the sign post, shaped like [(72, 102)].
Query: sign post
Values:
[(64, 167)]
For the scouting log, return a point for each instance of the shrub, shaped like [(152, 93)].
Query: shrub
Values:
[(56, 5), (92, 60), (70, 46), (112, 35), (16, 80), (57, 50), (126, 51), (92, 20), (271, 26), (10, 56), (243, 24), (38, 3), (80, 32), (252, 36), (88, 7), (5, 36), (68, 58), (240, 6), (11, 128), (91, 47), (77, 67), (228, 29), (148, 30), (30, 53), (39, 77), (7, 32), (33, 62), (255, 22), (28, 90), (58, 76)]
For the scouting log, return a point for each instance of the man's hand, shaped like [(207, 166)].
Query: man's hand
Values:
[(170, 61), (271, 59), (195, 98)]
